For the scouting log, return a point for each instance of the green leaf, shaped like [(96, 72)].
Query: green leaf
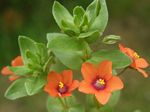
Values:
[(25, 44), (100, 22), (16, 90), (63, 18), (78, 13), (34, 61), (69, 51), (84, 26), (111, 39), (61, 13), (119, 59), (48, 64), (20, 70), (55, 105), (58, 66), (90, 100), (92, 10), (32, 57), (88, 34), (33, 85), (51, 36), (114, 98), (69, 27), (42, 52)]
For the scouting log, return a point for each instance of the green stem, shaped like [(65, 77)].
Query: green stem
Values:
[(122, 71), (65, 102), (62, 102)]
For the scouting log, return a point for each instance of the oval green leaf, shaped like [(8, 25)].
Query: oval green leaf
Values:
[(119, 59), (16, 90)]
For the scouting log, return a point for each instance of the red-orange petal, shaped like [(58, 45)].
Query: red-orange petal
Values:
[(89, 71), (130, 52), (17, 61), (141, 63), (87, 88), (13, 78), (142, 72), (114, 84), (6, 71), (52, 91), (54, 78), (105, 69), (65, 95), (74, 85), (126, 50), (122, 48), (67, 77), (103, 97)]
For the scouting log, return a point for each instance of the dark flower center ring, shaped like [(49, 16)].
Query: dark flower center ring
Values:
[(62, 89), (99, 84)]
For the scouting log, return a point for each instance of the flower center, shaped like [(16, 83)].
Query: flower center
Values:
[(136, 55), (99, 84), (62, 89)]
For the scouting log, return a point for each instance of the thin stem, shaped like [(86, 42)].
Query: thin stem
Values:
[(62, 102), (122, 71), (65, 102)]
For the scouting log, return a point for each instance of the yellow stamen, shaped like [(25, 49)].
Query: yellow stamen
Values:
[(136, 55), (101, 81), (61, 85)]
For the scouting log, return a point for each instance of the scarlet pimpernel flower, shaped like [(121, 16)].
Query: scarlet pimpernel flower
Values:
[(98, 80), (15, 62), (138, 63), (61, 85)]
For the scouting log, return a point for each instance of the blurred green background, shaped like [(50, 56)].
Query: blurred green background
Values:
[(128, 18)]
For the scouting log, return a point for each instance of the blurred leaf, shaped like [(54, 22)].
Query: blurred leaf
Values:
[(78, 13), (90, 100), (33, 85), (105, 108), (58, 66), (20, 70), (100, 22), (114, 98), (77, 108), (16, 90), (94, 109), (119, 59), (55, 105), (111, 39), (69, 51)]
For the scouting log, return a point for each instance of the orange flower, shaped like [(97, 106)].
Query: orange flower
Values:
[(16, 62), (98, 80), (60, 85), (137, 61)]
